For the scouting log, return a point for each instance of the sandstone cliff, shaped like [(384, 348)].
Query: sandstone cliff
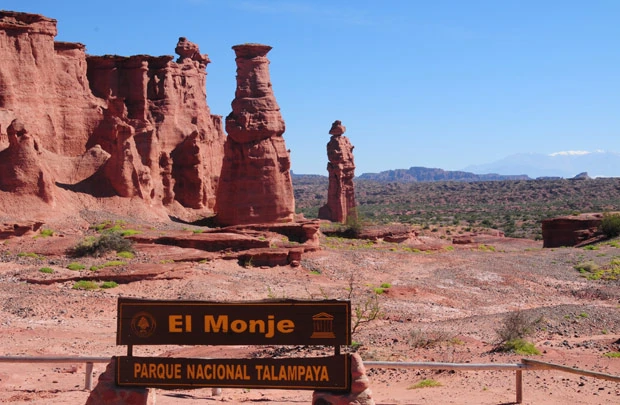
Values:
[(134, 126)]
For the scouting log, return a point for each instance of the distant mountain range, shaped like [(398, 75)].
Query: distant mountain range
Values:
[(524, 166), (560, 164), (424, 174)]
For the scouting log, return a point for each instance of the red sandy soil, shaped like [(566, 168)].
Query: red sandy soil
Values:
[(457, 298)]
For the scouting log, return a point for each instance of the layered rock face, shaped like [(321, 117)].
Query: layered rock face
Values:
[(255, 183), (134, 126), (340, 205), (44, 83), (164, 143)]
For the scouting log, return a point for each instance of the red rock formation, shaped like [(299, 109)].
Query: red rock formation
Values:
[(45, 84), (165, 144), (21, 170), (255, 184), (340, 205), (158, 140), (570, 230)]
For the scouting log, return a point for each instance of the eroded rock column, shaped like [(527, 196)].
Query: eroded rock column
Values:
[(255, 184), (340, 205)]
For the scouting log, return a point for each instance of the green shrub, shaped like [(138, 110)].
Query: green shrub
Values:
[(125, 255), (47, 270), (107, 242), (610, 225), (521, 347), (109, 284), (587, 267), (31, 255), (85, 285), (76, 266), (46, 232), (426, 383), (612, 355)]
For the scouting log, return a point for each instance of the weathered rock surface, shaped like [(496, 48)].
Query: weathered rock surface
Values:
[(570, 230), (255, 184), (44, 83), (164, 143), (21, 170), (340, 205), (134, 126)]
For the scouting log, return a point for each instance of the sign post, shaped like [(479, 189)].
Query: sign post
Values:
[(281, 322)]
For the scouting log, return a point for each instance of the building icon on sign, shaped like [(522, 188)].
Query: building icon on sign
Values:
[(323, 326)]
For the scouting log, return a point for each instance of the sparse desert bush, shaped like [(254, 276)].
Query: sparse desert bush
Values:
[(85, 285), (111, 263), (31, 255), (593, 271), (426, 383), (47, 270), (516, 325), (427, 338), (46, 233), (366, 306), (75, 266), (125, 255), (109, 284), (521, 347), (106, 242)]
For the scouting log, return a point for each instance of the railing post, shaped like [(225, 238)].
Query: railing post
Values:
[(88, 379), (519, 375)]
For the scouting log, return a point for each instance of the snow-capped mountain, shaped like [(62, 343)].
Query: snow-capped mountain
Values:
[(565, 164)]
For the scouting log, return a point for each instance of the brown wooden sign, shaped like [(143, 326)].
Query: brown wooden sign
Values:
[(282, 322), (310, 373)]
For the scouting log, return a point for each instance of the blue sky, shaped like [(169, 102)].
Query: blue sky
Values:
[(437, 83)]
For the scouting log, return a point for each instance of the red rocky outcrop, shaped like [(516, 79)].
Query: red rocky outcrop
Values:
[(134, 126), (570, 230), (44, 84), (255, 184), (164, 143), (340, 205)]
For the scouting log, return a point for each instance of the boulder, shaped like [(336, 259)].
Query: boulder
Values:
[(570, 230)]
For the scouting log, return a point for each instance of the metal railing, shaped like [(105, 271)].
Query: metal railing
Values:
[(90, 361), (526, 364)]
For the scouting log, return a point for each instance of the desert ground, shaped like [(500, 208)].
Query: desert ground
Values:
[(442, 305)]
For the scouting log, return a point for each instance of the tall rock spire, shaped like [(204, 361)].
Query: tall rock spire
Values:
[(255, 184), (340, 205)]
